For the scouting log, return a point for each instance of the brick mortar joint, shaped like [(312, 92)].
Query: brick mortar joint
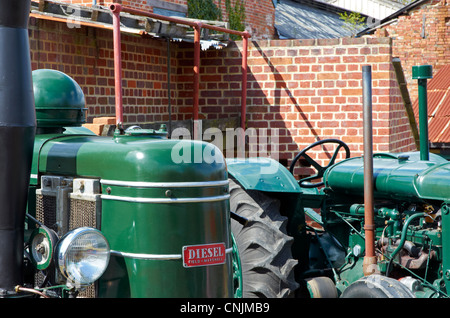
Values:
[(318, 42)]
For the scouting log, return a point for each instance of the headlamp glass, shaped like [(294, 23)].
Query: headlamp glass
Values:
[(83, 255)]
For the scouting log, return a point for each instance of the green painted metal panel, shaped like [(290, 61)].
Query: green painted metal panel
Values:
[(127, 158), (262, 174), (164, 229), (398, 177), (41, 139)]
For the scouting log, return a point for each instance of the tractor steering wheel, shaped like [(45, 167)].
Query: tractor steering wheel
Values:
[(320, 170)]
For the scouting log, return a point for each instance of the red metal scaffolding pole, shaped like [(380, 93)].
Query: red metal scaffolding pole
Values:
[(197, 32), (117, 8), (244, 78), (117, 64)]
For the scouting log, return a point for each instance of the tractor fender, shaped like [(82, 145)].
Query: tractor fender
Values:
[(262, 174)]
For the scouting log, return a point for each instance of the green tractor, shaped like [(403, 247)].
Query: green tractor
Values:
[(161, 222), (385, 237)]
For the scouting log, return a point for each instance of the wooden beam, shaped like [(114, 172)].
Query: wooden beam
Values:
[(406, 99)]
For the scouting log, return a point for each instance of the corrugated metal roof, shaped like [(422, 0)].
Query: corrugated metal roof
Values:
[(308, 19), (438, 93)]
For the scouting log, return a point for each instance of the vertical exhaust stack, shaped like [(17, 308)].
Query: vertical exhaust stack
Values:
[(422, 73), (17, 131), (370, 259)]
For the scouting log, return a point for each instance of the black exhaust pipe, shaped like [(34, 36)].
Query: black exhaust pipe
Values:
[(17, 131)]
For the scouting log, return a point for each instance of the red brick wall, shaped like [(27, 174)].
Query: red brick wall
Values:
[(86, 54), (306, 89), (260, 14), (414, 49), (220, 83)]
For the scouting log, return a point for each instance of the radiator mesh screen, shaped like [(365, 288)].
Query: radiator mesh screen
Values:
[(82, 213), (46, 210)]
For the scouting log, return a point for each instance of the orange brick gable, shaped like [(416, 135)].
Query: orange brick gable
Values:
[(421, 36)]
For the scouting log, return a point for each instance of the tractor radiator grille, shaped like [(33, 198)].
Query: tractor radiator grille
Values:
[(46, 210), (63, 204)]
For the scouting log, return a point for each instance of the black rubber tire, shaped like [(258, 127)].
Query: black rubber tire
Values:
[(377, 286), (264, 247)]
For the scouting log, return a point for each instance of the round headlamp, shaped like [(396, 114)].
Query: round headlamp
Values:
[(82, 255)]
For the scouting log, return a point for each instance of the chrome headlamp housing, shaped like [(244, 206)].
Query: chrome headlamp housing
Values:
[(82, 255)]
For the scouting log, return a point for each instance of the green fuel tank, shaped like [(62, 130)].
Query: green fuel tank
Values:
[(164, 208), (402, 177)]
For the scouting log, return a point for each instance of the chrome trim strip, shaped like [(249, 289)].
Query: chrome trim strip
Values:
[(160, 257), (166, 200), (141, 184)]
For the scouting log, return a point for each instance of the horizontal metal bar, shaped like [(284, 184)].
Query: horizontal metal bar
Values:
[(161, 257), (115, 7), (147, 256), (193, 24), (167, 200), (140, 184)]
